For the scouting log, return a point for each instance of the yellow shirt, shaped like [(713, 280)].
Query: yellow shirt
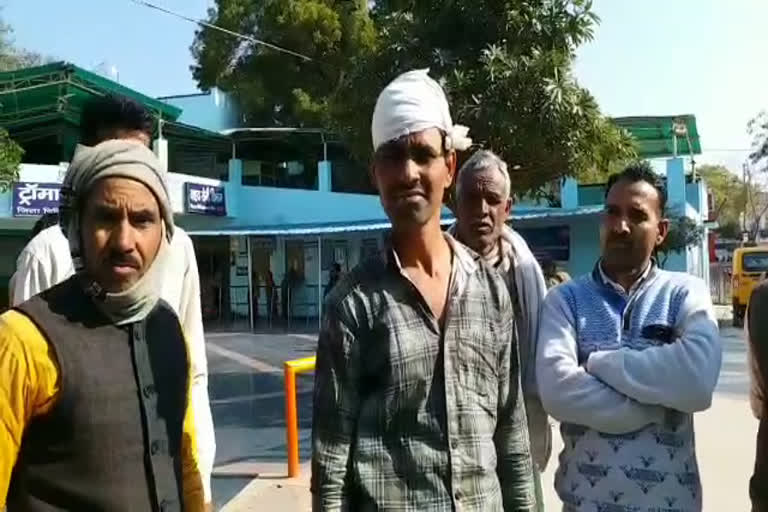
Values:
[(29, 387)]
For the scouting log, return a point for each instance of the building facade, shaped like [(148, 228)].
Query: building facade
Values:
[(272, 211)]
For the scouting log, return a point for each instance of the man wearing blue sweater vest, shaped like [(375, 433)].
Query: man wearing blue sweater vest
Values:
[(625, 356)]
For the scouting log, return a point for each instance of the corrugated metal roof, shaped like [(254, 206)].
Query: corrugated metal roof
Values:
[(655, 135), (58, 91), (328, 228)]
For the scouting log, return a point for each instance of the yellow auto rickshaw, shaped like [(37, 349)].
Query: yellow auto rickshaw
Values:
[(749, 266)]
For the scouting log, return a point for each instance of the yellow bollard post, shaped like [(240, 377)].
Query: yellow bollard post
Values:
[(290, 369), (291, 422)]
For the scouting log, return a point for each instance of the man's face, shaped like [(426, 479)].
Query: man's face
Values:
[(632, 226), (482, 208), (121, 232), (411, 175)]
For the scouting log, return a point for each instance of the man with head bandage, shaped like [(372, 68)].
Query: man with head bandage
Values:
[(417, 403)]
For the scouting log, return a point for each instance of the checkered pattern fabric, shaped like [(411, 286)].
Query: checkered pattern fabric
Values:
[(412, 417)]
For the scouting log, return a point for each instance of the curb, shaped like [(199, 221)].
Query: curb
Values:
[(274, 492)]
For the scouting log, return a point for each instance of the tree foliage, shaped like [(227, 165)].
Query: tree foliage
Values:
[(729, 195), (274, 88), (758, 130), (505, 65), (10, 159), (11, 58), (684, 232)]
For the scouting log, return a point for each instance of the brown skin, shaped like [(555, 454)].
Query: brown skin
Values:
[(121, 232), (482, 210), (412, 175), (632, 227)]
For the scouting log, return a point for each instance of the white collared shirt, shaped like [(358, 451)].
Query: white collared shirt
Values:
[(635, 286)]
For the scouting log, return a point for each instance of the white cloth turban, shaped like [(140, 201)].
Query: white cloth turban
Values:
[(412, 103)]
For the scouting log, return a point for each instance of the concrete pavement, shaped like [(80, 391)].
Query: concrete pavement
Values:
[(251, 460)]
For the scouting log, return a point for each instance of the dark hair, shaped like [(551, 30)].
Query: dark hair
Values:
[(44, 222), (640, 171), (104, 115)]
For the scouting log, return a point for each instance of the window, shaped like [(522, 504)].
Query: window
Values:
[(755, 262)]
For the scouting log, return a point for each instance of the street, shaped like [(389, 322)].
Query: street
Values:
[(246, 385)]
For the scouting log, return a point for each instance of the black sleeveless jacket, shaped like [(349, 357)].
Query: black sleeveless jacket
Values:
[(112, 442)]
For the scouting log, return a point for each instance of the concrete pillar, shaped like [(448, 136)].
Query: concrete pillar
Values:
[(233, 186), (676, 184), (676, 205), (324, 183), (569, 193), (160, 147)]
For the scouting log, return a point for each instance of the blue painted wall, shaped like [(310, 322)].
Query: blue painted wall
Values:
[(213, 111), (585, 246)]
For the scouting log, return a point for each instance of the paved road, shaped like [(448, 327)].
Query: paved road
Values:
[(246, 393)]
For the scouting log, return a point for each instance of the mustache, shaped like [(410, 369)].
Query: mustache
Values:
[(619, 240), (406, 191), (123, 260)]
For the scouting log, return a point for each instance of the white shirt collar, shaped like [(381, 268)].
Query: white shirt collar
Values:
[(616, 286)]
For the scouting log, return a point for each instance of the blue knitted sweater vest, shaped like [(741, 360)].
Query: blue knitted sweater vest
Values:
[(653, 469)]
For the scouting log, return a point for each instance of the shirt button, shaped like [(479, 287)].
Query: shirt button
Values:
[(454, 443), (457, 495), (148, 391), (154, 447)]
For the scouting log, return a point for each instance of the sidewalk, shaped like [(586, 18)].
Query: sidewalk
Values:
[(270, 492)]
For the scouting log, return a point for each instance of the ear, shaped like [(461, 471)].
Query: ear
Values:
[(508, 207), (450, 161), (663, 231)]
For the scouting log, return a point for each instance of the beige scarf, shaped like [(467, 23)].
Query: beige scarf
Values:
[(125, 159)]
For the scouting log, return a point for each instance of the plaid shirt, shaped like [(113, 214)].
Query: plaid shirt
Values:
[(411, 417)]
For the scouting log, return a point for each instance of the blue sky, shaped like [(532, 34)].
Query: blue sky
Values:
[(649, 57)]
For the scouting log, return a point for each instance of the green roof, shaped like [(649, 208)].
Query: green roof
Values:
[(42, 95), (655, 136)]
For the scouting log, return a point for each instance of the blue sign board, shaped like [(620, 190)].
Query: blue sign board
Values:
[(35, 199), (205, 199)]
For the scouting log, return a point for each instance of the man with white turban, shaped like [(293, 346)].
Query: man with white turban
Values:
[(95, 408), (418, 403)]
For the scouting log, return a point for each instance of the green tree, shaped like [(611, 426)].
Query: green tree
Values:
[(11, 58), (507, 69), (684, 232), (505, 65), (729, 195), (10, 159), (274, 88), (758, 130)]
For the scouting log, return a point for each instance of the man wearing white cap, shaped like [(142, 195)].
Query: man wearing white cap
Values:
[(418, 404)]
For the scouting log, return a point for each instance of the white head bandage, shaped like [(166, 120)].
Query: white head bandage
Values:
[(412, 103)]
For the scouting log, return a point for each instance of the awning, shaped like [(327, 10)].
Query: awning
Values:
[(655, 135), (329, 228), (320, 228), (57, 92), (556, 214)]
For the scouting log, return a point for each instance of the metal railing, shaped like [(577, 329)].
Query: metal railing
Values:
[(720, 283), (291, 368)]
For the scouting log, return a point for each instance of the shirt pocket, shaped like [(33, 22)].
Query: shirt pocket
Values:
[(478, 365)]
